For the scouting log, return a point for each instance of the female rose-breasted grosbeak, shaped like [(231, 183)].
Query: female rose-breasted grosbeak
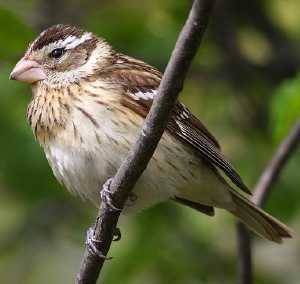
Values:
[(88, 105)]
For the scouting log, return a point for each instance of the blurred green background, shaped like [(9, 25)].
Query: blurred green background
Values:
[(243, 85)]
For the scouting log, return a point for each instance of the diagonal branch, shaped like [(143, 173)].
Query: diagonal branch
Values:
[(262, 191), (271, 174), (152, 130)]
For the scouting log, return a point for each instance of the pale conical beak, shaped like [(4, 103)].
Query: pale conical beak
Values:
[(27, 71)]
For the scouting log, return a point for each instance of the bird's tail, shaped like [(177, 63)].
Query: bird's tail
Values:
[(258, 220)]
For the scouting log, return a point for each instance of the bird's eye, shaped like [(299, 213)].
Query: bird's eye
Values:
[(57, 53)]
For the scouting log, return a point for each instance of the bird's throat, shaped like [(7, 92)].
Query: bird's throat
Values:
[(48, 111)]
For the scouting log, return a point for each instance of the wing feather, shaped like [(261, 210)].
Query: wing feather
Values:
[(140, 83)]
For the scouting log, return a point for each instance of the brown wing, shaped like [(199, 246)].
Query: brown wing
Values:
[(206, 144), (140, 83)]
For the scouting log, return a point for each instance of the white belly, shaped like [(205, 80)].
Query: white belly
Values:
[(84, 172), (85, 155)]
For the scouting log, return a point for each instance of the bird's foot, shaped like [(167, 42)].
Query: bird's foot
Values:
[(91, 247), (117, 234), (106, 196)]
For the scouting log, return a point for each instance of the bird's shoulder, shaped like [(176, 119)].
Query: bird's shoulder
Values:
[(139, 83)]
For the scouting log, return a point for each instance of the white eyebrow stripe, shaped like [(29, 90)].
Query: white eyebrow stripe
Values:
[(72, 41), (68, 40)]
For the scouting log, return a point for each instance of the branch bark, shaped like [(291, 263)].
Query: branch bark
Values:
[(152, 130), (262, 191)]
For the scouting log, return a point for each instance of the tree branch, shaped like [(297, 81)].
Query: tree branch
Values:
[(262, 191), (271, 174), (152, 130), (245, 269)]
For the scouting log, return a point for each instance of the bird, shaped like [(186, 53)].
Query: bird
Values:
[(88, 104)]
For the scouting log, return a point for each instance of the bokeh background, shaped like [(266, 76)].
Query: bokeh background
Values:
[(243, 85)]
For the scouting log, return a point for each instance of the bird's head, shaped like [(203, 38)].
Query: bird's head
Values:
[(62, 55)]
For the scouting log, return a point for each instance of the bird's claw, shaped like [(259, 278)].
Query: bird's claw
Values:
[(106, 197), (91, 247), (117, 235)]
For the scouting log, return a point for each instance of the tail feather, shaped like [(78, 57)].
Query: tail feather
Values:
[(208, 210), (258, 220)]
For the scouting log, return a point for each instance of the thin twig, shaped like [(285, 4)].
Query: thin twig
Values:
[(245, 274), (153, 128), (262, 191), (271, 173)]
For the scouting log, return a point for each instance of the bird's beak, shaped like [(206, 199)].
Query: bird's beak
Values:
[(27, 71)]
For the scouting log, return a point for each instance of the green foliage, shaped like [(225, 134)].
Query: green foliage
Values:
[(42, 226), (285, 111), (285, 107), (13, 34)]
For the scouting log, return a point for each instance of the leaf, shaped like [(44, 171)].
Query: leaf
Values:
[(14, 33), (284, 113), (285, 108)]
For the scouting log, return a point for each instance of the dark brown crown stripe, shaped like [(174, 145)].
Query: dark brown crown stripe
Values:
[(55, 33)]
